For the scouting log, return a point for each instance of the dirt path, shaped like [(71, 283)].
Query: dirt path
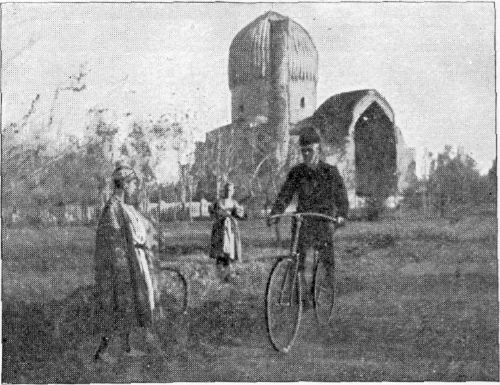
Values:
[(381, 333), (415, 308), (399, 344)]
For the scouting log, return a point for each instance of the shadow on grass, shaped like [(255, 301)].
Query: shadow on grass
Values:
[(227, 323), (28, 342)]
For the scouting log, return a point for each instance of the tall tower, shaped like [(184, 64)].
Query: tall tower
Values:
[(273, 74), (271, 43)]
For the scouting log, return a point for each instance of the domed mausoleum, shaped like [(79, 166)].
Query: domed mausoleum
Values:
[(272, 46), (273, 76)]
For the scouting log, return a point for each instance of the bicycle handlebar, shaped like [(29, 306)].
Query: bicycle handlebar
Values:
[(298, 215)]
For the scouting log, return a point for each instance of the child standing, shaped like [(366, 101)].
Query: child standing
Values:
[(225, 245)]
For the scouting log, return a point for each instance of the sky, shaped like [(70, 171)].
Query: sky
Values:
[(433, 62)]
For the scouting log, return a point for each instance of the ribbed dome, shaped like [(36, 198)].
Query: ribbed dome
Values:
[(249, 52)]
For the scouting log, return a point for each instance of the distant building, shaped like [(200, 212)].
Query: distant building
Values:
[(273, 76), (172, 209)]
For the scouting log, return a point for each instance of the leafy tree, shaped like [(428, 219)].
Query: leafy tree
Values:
[(34, 177), (455, 181)]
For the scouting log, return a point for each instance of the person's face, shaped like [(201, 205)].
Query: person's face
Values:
[(310, 154), (130, 189)]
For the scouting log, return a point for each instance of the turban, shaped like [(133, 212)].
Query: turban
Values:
[(124, 173)]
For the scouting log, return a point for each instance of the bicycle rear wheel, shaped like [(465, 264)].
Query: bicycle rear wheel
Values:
[(324, 293), (173, 295), (283, 305)]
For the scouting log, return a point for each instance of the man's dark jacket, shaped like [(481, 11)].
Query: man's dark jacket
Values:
[(319, 190)]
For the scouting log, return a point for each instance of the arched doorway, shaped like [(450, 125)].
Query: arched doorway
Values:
[(375, 156)]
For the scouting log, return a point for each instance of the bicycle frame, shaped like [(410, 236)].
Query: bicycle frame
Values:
[(293, 254), (284, 291), (299, 217)]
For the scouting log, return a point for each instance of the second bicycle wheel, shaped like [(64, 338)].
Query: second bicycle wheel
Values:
[(324, 294), (283, 305), (173, 293)]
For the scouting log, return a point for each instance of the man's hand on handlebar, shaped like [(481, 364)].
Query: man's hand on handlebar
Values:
[(339, 221)]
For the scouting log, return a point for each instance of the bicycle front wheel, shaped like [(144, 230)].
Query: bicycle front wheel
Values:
[(173, 293), (324, 293), (283, 304)]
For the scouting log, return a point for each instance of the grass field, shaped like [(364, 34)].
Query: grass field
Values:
[(417, 300)]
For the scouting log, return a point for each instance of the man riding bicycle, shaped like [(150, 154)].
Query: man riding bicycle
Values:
[(320, 189)]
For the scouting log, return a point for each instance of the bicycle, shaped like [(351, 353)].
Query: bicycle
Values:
[(284, 291), (173, 292)]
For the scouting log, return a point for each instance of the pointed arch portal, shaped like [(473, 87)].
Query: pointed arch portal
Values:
[(375, 153)]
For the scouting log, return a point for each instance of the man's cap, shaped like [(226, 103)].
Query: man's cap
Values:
[(309, 135), (124, 173)]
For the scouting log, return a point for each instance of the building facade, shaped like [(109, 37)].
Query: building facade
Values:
[(273, 77)]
